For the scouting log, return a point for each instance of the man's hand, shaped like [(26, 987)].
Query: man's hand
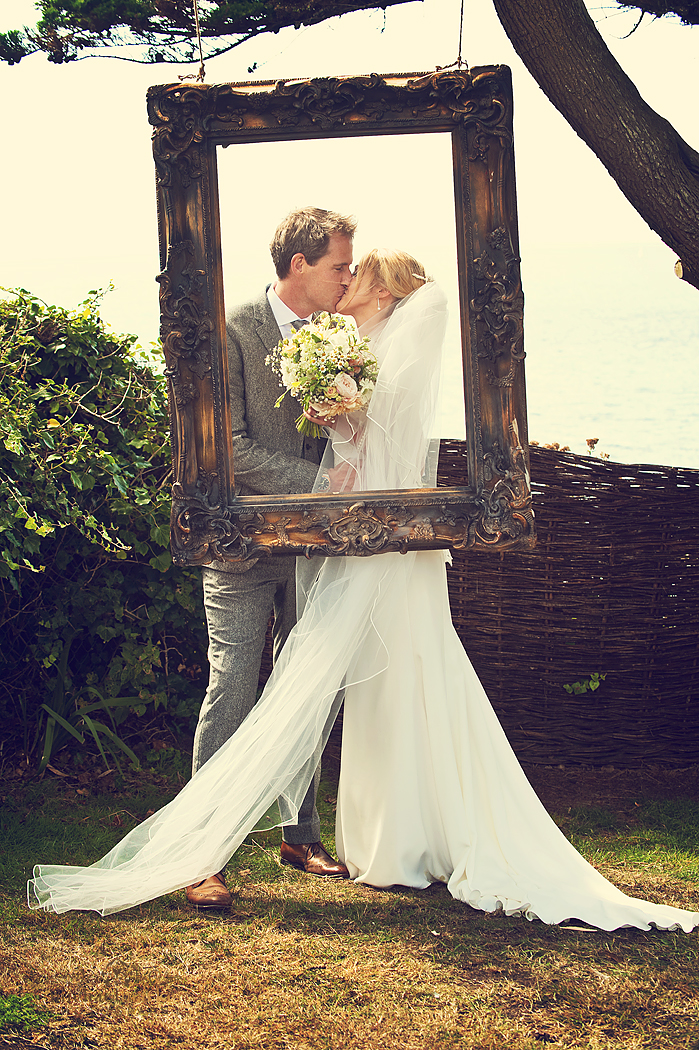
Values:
[(341, 478)]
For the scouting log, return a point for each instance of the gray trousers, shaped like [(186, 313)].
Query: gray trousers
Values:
[(238, 607)]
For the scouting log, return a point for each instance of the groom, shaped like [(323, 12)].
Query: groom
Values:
[(312, 254)]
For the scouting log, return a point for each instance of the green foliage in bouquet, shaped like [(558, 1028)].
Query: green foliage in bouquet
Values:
[(95, 620)]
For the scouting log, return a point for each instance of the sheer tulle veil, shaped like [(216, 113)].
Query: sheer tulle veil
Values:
[(336, 643)]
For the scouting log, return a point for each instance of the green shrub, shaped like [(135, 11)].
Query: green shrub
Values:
[(91, 609)]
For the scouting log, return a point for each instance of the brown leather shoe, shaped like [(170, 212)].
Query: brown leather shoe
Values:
[(312, 858), (211, 893)]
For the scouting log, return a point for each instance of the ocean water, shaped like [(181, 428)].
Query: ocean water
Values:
[(612, 343)]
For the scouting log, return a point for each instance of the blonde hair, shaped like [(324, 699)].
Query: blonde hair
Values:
[(307, 231), (395, 271)]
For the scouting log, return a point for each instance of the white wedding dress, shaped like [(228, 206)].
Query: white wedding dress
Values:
[(430, 789)]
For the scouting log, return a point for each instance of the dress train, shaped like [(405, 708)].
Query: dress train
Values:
[(431, 791)]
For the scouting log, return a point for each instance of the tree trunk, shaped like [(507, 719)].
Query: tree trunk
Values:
[(653, 166)]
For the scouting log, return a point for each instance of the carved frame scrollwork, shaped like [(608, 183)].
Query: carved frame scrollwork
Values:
[(492, 510)]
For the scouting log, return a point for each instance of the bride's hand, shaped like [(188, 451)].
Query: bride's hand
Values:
[(321, 421)]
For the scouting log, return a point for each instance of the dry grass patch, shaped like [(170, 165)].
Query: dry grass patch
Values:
[(303, 963), (300, 963)]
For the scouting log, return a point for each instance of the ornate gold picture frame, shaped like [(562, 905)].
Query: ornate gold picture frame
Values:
[(493, 508)]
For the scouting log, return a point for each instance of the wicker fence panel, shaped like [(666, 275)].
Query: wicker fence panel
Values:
[(612, 587)]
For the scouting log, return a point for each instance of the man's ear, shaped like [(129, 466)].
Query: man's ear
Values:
[(298, 263)]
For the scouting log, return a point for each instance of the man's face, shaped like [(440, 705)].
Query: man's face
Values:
[(325, 283)]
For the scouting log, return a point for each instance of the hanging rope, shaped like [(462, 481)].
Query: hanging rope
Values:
[(199, 77), (460, 62)]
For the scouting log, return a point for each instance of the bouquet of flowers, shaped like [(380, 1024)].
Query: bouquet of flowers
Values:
[(327, 366)]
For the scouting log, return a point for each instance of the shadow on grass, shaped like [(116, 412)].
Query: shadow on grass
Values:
[(314, 963)]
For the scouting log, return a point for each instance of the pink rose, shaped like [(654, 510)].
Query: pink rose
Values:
[(345, 385)]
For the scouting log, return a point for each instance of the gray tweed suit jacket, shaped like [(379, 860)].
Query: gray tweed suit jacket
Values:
[(269, 454), (269, 457)]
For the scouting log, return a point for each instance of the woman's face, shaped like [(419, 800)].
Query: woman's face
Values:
[(360, 299)]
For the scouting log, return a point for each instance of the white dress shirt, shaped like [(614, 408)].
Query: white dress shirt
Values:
[(283, 315)]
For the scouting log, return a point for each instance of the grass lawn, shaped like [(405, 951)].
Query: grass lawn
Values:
[(302, 963)]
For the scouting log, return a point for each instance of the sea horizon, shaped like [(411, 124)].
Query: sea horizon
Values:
[(611, 353)]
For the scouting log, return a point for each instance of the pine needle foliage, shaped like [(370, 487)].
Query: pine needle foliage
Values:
[(162, 30)]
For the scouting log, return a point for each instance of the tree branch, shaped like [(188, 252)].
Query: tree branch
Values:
[(164, 28), (655, 169)]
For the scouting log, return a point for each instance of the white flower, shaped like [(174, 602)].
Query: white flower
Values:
[(338, 340), (289, 372)]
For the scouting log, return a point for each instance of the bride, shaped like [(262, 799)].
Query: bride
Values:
[(430, 790)]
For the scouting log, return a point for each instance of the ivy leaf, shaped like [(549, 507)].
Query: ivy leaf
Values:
[(162, 562), (76, 545)]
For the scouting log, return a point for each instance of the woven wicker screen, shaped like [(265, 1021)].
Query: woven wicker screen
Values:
[(612, 587)]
